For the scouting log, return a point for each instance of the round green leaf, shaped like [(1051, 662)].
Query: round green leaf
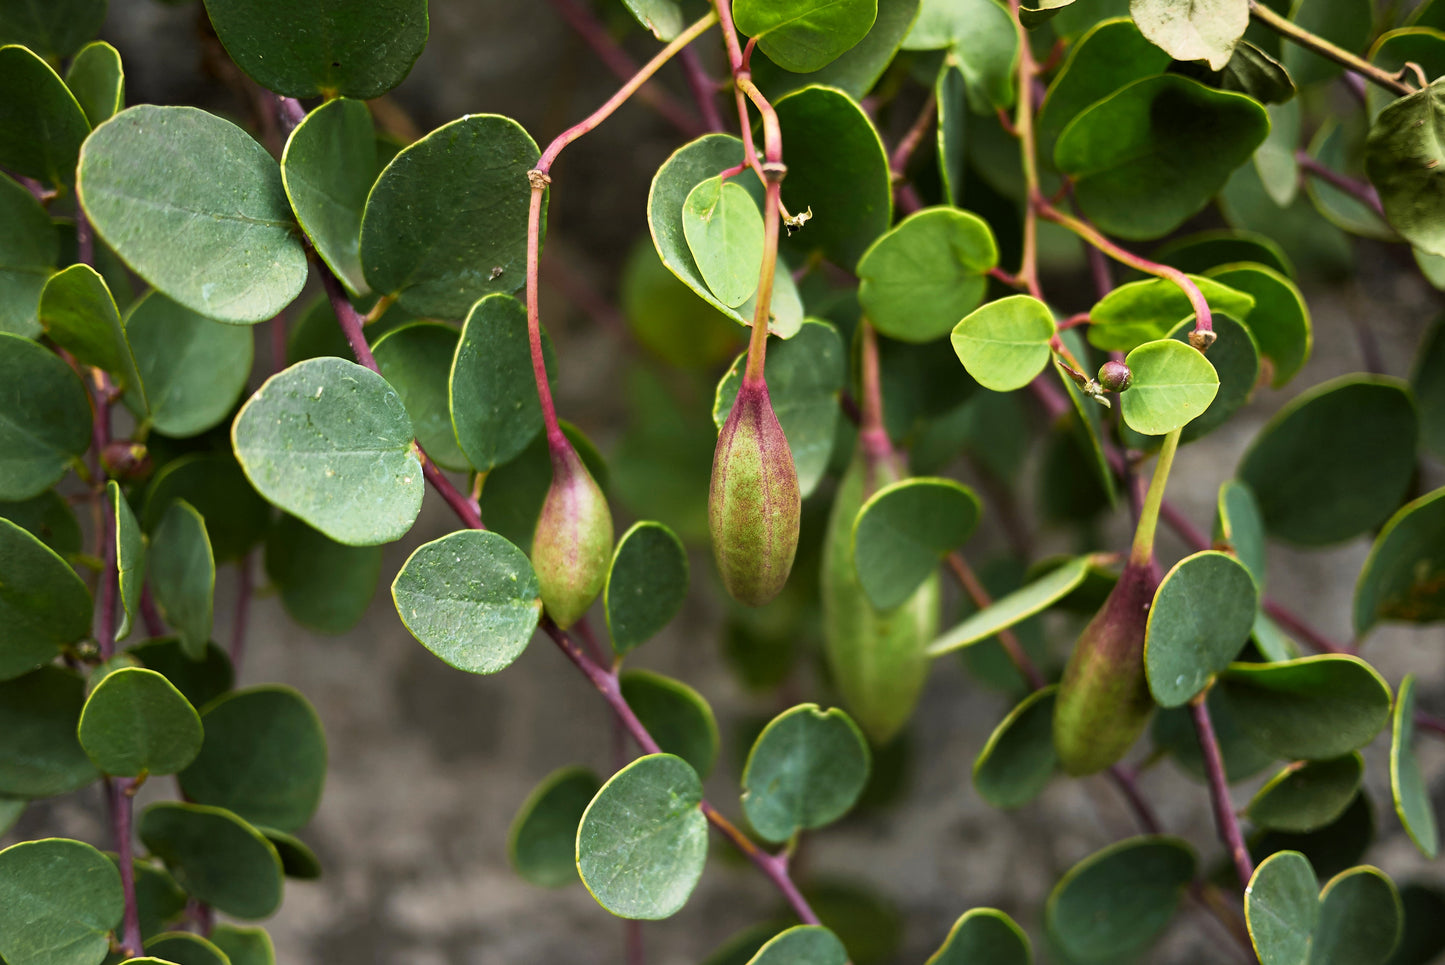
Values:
[(917, 280), (1192, 31), (1005, 344), (984, 936), (59, 900), (950, 91), (724, 232), (805, 770), (1111, 55), (243, 946), (1331, 849), (676, 716), (494, 409), (542, 844), (1282, 909), (325, 585), (1112, 904), (136, 722), (802, 945), (981, 38), (28, 251), (668, 318), (41, 125), (43, 604), (805, 376), (805, 35), (417, 360), (1307, 795), (646, 586), (1016, 607), (446, 222), (1019, 758), (1198, 253), (1173, 384), (1200, 621), (97, 79), (185, 948), (1142, 311), (663, 17), (49, 518), (264, 757), (236, 516), (1280, 319), (1239, 528), (1407, 785), (183, 575), (642, 842), (52, 29), (1403, 157), (1360, 919), (1335, 462), (44, 418), (471, 598), (1148, 157), (210, 227), (79, 314), (215, 856), (297, 860), (328, 168), (838, 168), (201, 681), (857, 69), (1404, 575), (193, 369), (903, 531), (41, 756), (1312, 708), (330, 442)]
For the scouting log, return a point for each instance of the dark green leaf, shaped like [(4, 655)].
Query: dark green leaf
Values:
[(950, 91), (668, 318), (136, 722), (1428, 381), (1404, 575), (416, 359), (802, 945), (1424, 933), (1282, 908), (215, 856), (981, 39), (1360, 919), (805, 770), (244, 946), (59, 899), (41, 125), (903, 532), (97, 80), (1112, 904), (677, 716), (79, 315), (805, 35), (984, 936), (1142, 311), (494, 407), (52, 29), (1331, 849), (28, 250), (1016, 607), (542, 844), (919, 279), (646, 586), (1019, 759), (327, 169), (1345, 23), (1307, 795), (185, 948), (1312, 708), (41, 756), (1199, 622), (1237, 525), (1279, 320), (43, 605), (183, 575), (159, 900), (1200, 252), (236, 517), (47, 517), (857, 69), (1408, 788), (325, 585), (44, 418), (193, 369), (202, 681)]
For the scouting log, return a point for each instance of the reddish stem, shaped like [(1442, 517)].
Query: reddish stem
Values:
[(704, 89), (1011, 645), (118, 791), (1128, 785), (1224, 816), (244, 588), (1359, 190)]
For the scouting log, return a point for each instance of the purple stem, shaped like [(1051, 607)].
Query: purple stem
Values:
[(118, 790), (1429, 722), (1224, 816), (84, 239), (636, 952), (1359, 190), (704, 89), (1128, 785), (155, 626), (244, 587)]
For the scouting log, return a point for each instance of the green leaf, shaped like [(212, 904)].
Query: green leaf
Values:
[(1424, 932), (244, 946), (805, 770), (642, 842), (1016, 607), (1019, 759), (981, 39), (677, 716), (44, 418), (79, 315), (514, 492), (1239, 528), (837, 167), (1112, 904), (52, 29), (805, 377), (1147, 158), (41, 125), (1235, 357), (159, 900), (669, 319), (984, 936), (1332, 848), (321, 47), (1307, 795), (215, 856), (1428, 382), (542, 844), (1360, 919), (446, 222), (867, 923), (210, 226), (1335, 462), (43, 605), (1403, 157), (494, 408), (329, 441), (950, 91), (1340, 147), (1200, 252), (663, 17), (921, 277), (1394, 49), (1193, 31), (29, 248), (417, 360), (857, 69), (1404, 575), (1005, 344), (97, 79), (325, 585), (193, 369), (1312, 708), (1407, 785), (59, 900), (1345, 23), (1142, 311), (646, 586), (904, 530), (264, 757), (471, 598), (802, 945), (201, 681), (1282, 908), (136, 722), (236, 517), (47, 517), (41, 756), (1279, 320), (183, 575), (327, 169), (185, 948), (805, 35), (1199, 622), (724, 232), (1173, 384)]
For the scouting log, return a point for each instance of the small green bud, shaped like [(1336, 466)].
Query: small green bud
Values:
[(572, 545), (1115, 376), (754, 506)]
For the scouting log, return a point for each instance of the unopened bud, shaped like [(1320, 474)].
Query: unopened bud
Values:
[(1115, 376), (572, 544), (126, 460)]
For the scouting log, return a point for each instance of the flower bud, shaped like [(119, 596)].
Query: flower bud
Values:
[(1104, 702), (1115, 376), (754, 506), (126, 460), (572, 545)]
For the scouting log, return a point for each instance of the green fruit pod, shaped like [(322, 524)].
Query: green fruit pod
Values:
[(572, 545)]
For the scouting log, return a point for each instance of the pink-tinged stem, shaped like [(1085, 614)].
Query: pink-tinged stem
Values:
[(898, 160), (704, 89), (1292, 31), (155, 626), (1359, 190), (1292, 622), (244, 587), (1430, 723), (118, 791), (981, 599), (1224, 816), (762, 315), (1128, 785)]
